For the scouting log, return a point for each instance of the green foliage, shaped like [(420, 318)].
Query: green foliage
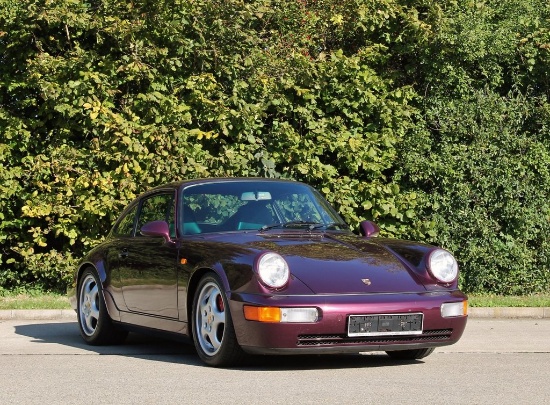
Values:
[(492, 300), (480, 159), (486, 187), (428, 117)]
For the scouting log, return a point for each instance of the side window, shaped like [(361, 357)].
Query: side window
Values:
[(126, 225), (159, 207)]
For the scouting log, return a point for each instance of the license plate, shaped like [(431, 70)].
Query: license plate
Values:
[(385, 325)]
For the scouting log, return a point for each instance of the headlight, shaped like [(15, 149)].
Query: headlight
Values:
[(273, 270), (443, 266)]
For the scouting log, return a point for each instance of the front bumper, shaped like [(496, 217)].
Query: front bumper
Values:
[(329, 333)]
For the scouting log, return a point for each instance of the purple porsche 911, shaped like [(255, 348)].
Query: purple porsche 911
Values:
[(258, 266)]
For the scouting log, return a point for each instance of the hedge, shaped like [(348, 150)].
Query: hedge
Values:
[(429, 117)]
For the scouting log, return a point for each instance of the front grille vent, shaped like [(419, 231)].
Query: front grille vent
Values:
[(435, 335)]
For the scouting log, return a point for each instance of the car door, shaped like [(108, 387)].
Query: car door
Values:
[(149, 276)]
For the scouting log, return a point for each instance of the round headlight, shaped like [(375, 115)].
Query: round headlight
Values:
[(443, 266), (273, 270)]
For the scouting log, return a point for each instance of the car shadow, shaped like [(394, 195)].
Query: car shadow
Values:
[(326, 361), (136, 345), (154, 348)]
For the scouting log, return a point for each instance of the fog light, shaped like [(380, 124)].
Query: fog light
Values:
[(275, 314), (299, 315), (454, 309)]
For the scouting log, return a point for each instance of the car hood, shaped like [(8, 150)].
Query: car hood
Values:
[(340, 263)]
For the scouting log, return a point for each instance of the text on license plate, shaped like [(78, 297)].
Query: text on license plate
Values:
[(385, 325)]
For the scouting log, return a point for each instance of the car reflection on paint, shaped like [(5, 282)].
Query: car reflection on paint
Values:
[(256, 266)]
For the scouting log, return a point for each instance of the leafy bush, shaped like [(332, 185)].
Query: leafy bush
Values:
[(480, 158), (486, 187), (389, 107)]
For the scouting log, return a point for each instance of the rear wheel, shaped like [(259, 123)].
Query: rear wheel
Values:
[(415, 354), (94, 322), (213, 332)]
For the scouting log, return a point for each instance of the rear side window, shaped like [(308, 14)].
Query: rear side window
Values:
[(125, 226)]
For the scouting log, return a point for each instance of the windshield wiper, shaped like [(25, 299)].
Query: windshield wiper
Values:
[(332, 225), (293, 224), (271, 226)]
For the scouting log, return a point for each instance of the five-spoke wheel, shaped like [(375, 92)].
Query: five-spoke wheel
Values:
[(95, 325), (210, 318), (88, 305), (213, 331)]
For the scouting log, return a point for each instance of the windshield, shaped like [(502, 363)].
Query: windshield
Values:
[(227, 206)]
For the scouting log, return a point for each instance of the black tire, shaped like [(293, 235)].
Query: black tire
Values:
[(213, 332), (96, 327), (415, 354)]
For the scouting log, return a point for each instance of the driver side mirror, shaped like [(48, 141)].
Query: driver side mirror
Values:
[(369, 229), (156, 228)]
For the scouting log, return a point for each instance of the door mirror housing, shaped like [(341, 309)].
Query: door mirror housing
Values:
[(369, 229), (156, 228)]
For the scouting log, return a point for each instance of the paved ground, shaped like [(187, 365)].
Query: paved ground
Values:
[(498, 361)]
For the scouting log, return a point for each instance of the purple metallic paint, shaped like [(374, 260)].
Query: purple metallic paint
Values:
[(327, 268), (257, 337), (369, 229), (156, 228)]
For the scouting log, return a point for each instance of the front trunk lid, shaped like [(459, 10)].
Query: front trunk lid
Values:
[(329, 265)]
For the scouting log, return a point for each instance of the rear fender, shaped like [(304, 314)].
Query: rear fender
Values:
[(99, 267)]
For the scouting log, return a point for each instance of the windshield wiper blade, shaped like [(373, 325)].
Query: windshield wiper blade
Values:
[(292, 224), (271, 226), (332, 225), (300, 224)]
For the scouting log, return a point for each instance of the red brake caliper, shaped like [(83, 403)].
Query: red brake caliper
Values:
[(219, 303)]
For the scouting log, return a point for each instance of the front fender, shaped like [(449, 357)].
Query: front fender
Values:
[(414, 255)]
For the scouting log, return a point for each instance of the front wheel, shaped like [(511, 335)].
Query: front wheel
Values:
[(415, 354), (213, 332), (94, 322)]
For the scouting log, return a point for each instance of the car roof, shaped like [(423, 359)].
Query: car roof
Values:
[(177, 184)]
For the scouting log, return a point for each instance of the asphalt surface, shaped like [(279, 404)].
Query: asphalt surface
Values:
[(497, 361)]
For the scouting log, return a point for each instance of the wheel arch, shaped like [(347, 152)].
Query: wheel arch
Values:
[(99, 268), (193, 285), (226, 350)]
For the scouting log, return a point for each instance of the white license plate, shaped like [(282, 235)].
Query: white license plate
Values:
[(385, 324)]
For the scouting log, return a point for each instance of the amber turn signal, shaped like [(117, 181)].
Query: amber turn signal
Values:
[(262, 314)]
